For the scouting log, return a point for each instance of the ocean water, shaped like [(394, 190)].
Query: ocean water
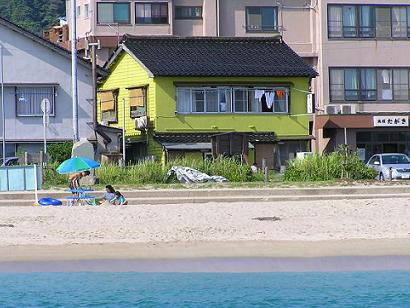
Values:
[(355, 289)]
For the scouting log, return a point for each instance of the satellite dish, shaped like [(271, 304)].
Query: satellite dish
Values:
[(45, 106)]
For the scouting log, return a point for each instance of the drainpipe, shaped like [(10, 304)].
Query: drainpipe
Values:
[(217, 17), (345, 131)]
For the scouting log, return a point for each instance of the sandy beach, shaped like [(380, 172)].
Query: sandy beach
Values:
[(305, 229)]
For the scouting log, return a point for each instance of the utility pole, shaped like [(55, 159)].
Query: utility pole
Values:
[(74, 89), (3, 112), (94, 72), (123, 132)]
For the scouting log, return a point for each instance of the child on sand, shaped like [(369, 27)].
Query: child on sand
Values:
[(119, 199)]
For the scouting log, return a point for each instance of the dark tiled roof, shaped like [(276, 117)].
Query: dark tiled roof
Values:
[(216, 56), (206, 137)]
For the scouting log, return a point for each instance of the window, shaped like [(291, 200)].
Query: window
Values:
[(138, 102), (337, 85), (109, 105), (350, 26), (261, 19), (335, 21), (151, 13), (369, 84), (188, 12), (374, 159), (228, 100), (86, 10), (368, 21), (109, 13), (399, 22), (367, 26), (384, 84), (408, 21), (368, 89), (78, 11), (401, 84), (383, 22), (28, 100)]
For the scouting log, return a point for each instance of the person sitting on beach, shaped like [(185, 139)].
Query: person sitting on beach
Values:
[(74, 179), (109, 195), (119, 199)]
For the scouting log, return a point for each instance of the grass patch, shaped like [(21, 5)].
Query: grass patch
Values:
[(340, 165), (153, 173)]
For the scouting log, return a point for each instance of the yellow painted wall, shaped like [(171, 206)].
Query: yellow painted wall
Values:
[(126, 73), (294, 124)]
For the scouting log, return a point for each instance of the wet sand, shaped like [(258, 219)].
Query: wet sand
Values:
[(286, 256)]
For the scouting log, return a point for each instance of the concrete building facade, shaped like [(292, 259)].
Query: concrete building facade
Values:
[(358, 47)]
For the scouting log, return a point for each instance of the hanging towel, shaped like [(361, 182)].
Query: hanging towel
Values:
[(270, 97), (259, 94), (386, 76)]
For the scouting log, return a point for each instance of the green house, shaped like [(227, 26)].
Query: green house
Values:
[(204, 97)]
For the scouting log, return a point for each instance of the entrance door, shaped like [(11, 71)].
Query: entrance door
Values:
[(264, 151)]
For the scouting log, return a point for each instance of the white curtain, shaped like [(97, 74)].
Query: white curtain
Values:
[(183, 100), (385, 86), (335, 21), (401, 84), (337, 84), (399, 21), (349, 21)]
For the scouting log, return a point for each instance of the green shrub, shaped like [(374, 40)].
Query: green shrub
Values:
[(52, 177), (150, 172), (59, 152), (342, 164), (147, 172)]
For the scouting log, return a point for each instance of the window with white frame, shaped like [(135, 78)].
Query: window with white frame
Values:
[(29, 98), (225, 99)]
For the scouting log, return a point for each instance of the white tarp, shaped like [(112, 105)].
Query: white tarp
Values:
[(189, 175)]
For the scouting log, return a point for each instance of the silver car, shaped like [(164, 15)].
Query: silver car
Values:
[(390, 166)]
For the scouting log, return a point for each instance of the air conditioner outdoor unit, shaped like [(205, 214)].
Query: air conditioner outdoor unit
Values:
[(348, 109), (141, 123), (333, 109)]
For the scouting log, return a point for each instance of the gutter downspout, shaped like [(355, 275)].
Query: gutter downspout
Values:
[(217, 17)]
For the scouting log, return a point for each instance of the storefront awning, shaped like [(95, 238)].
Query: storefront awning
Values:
[(343, 121)]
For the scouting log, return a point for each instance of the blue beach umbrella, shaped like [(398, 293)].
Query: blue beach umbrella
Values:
[(77, 164)]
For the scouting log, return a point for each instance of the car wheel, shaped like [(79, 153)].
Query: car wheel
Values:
[(381, 177)]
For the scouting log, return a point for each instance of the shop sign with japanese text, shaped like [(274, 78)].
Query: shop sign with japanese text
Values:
[(390, 121)]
